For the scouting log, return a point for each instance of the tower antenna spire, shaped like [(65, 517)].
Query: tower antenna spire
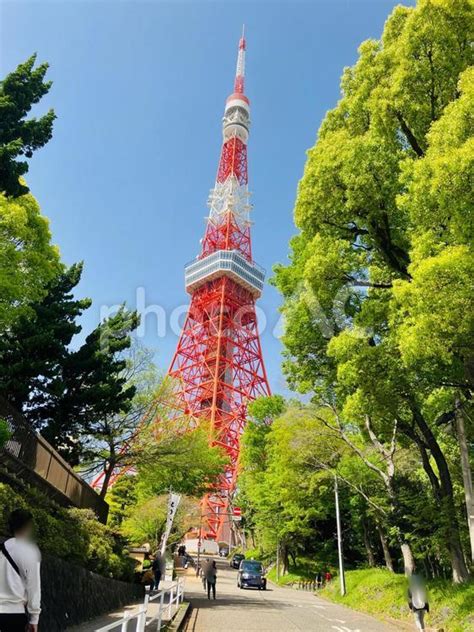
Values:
[(240, 70)]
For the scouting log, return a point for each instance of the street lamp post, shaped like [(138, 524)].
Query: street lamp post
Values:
[(198, 565), (339, 539), (278, 562)]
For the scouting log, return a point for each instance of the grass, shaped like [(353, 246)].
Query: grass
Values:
[(302, 571), (381, 593)]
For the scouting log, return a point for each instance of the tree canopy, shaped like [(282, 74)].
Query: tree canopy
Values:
[(19, 91), (377, 301), (28, 260)]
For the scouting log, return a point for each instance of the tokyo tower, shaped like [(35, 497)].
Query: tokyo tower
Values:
[(218, 364)]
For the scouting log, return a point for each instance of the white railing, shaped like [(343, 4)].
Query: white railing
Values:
[(168, 608)]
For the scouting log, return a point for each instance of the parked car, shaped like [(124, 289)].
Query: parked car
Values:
[(236, 559), (251, 575)]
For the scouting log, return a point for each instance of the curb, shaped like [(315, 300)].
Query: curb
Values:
[(180, 618)]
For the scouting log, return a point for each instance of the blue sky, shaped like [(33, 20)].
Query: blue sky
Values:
[(139, 91)]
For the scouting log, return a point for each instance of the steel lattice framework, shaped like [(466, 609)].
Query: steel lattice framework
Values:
[(218, 363)]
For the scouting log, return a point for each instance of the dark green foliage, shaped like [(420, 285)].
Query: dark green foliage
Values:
[(71, 534), (122, 496), (59, 390), (33, 351), (91, 384), (4, 432), (19, 91)]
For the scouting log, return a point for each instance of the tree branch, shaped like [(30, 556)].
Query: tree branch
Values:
[(409, 135)]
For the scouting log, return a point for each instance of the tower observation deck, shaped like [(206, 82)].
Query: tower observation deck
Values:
[(218, 363)]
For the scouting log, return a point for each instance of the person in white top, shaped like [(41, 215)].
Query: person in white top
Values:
[(20, 583)]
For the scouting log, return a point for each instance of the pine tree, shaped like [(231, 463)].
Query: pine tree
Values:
[(33, 351), (19, 91), (62, 391)]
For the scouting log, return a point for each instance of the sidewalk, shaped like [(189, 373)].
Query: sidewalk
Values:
[(95, 624)]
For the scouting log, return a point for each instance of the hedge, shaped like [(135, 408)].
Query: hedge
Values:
[(74, 535)]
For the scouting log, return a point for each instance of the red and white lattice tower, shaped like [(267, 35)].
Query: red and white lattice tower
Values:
[(218, 363)]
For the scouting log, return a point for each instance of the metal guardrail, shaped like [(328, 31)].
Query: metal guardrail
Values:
[(30, 450), (139, 617)]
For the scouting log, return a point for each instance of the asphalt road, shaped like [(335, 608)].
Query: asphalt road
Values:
[(274, 610)]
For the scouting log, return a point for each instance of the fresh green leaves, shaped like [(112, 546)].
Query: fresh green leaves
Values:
[(378, 293), (28, 260)]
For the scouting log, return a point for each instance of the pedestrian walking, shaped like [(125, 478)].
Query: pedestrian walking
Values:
[(418, 600), (327, 577), (157, 568), (319, 579), (211, 577), (20, 583)]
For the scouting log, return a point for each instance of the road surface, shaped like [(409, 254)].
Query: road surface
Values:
[(274, 610)]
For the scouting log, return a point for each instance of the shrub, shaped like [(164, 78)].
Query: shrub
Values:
[(4, 432), (74, 535)]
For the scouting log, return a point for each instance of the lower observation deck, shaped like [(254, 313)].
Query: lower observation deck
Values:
[(228, 263)]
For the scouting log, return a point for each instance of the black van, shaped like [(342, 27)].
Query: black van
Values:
[(251, 575), (236, 559)]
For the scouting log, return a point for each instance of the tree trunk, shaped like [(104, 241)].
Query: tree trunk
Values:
[(408, 559), (293, 558), (466, 473), (453, 540), (252, 537), (368, 544), (386, 551), (107, 476), (284, 558)]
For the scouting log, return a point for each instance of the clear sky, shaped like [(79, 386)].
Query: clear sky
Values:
[(139, 91)]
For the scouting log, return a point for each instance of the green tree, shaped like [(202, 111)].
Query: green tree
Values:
[(147, 521), (19, 91), (433, 313), (63, 391), (284, 496), (120, 498), (164, 460), (186, 462), (33, 350), (355, 254), (103, 439), (90, 387), (28, 261)]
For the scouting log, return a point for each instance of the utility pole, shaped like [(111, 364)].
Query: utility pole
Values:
[(339, 539), (198, 565), (278, 562)]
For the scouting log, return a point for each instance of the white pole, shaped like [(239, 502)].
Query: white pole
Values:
[(198, 566), (124, 627), (278, 562), (339, 539), (170, 606), (160, 611)]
